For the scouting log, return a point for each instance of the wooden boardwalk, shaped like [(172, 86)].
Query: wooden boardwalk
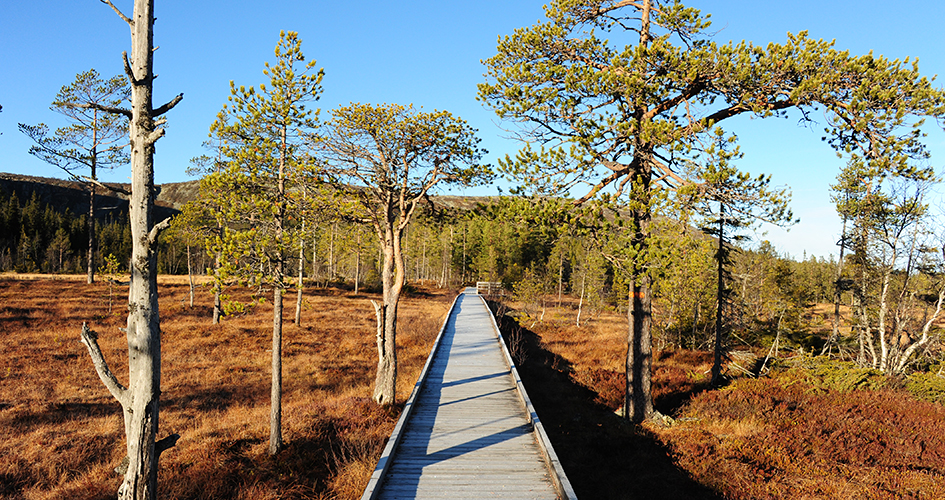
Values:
[(468, 430)]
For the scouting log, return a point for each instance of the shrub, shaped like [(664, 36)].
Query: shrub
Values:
[(927, 386)]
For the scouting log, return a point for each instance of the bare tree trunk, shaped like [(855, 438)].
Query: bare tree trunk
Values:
[(837, 293), (190, 276), (695, 322), (357, 266), (577, 321), (331, 254), (298, 297), (720, 297), (275, 400), (217, 292), (638, 402), (141, 399), (275, 411), (91, 262), (881, 321)]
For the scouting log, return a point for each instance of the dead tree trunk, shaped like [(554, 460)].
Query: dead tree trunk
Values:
[(91, 267), (300, 284), (190, 275), (140, 401)]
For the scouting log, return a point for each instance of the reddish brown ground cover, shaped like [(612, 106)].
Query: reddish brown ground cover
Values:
[(60, 430), (777, 437)]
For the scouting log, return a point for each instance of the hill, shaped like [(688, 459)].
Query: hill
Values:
[(70, 195), (64, 194)]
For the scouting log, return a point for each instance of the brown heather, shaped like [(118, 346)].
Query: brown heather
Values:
[(775, 437), (61, 432)]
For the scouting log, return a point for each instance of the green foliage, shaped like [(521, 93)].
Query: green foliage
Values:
[(383, 161), (109, 271), (927, 386), (842, 376), (530, 290), (251, 201), (94, 139)]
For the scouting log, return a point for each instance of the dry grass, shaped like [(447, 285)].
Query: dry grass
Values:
[(61, 433), (774, 438)]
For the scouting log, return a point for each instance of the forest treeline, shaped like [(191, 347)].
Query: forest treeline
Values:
[(37, 237), (449, 247)]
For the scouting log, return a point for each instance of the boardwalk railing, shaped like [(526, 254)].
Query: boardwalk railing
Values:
[(489, 288), (473, 447), (562, 485)]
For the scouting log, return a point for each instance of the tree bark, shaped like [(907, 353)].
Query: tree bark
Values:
[(275, 412), (837, 294), (275, 408), (392, 278), (141, 400), (719, 296), (190, 276), (90, 278), (143, 330), (638, 400), (298, 297)]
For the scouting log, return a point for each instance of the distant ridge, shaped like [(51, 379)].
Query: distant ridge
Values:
[(65, 194)]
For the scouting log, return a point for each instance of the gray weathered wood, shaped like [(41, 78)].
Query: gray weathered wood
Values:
[(466, 432)]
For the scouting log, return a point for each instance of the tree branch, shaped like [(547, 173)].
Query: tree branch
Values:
[(128, 71), (154, 136), (167, 107), (90, 339), (104, 186), (165, 444), (122, 16), (107, 109), (156, 230)]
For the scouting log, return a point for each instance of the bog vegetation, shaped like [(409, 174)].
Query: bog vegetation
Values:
[(62, 434), (615, 287)]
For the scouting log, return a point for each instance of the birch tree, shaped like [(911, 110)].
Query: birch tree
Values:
[(140, 400), (387, 159), (95, 139)]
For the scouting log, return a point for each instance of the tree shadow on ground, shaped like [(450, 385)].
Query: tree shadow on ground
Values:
[(603, 455)]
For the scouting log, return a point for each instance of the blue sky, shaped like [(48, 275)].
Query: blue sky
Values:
[(423, 52)]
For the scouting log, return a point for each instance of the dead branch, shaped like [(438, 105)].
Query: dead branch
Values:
[(122, 16), (90, 339)]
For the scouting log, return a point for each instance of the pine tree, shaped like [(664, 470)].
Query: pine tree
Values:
[(617, 118), (262, 134), (387, 159), (95, 140)]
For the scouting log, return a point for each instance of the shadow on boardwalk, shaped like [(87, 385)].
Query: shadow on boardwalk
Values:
[(603, 456)]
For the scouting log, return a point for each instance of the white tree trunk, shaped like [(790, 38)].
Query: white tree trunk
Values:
[(140, 401), (190, 276), (298, 297)]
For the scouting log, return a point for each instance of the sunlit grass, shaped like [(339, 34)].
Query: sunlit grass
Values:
[(61, 432)]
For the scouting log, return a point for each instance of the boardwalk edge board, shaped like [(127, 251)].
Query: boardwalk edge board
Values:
[(383, 464), (560, 479)]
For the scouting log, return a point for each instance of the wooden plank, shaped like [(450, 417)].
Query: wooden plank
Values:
[(468, 435)]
